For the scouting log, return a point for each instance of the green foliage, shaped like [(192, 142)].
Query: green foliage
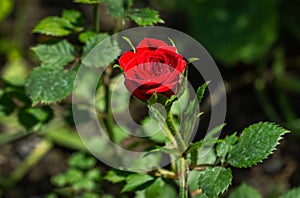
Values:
[(158, 189), (54, 26), (294, 193), (81, 177), (191, 114), (5, 8), (55, 55), (92, 41), (245, 191), (30, 117), (86, 35), (214, 131), (15, 71), (48, 85), (73, 16), (215, 180), (193, 180), (194, 146), (116, 176), (234, 31), (145, 17), (171, 150), (70, 21), (225, 146), (52, 82), (120, 9), (71, 176), (115, 7), (200, 92), (103, 54), (255, 144), (148, 125), (206, 156), (82, 161), (137, 181)]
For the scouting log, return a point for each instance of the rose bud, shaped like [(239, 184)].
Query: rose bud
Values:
[(155, 67)]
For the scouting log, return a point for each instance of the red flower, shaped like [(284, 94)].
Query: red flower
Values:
[(154, 67)]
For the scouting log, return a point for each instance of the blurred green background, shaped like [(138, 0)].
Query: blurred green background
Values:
[(256, 45)]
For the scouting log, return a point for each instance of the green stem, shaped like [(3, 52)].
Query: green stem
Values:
[(183, 165), (7, 138), (96, 17), (165, 173), (183, 178), (178, 138), (40, 150), (108, 112), (194, 156)]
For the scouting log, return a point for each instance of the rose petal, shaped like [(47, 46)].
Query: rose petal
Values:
[(175, 60), (169, 48), (132, 63), (125, 59), (163, 88), (150, 44), (137, 91)]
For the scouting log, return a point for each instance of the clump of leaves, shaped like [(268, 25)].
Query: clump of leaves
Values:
[(210, 176), (82, 178), (52, 82)]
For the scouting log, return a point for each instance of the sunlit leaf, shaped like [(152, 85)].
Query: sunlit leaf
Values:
[(215, 181), (144, 17), (87, 35), (82, 161), (48, 85), (74, 16), (54, 26), (256, 143), (116, 176), (137, 181), (55, 55)]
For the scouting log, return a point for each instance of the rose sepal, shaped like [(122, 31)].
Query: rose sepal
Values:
[(118, 67), (157, 98)]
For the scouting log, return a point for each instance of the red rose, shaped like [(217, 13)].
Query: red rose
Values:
[(154, 67)]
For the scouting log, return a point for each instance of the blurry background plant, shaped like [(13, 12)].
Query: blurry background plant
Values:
[(254, 43)]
